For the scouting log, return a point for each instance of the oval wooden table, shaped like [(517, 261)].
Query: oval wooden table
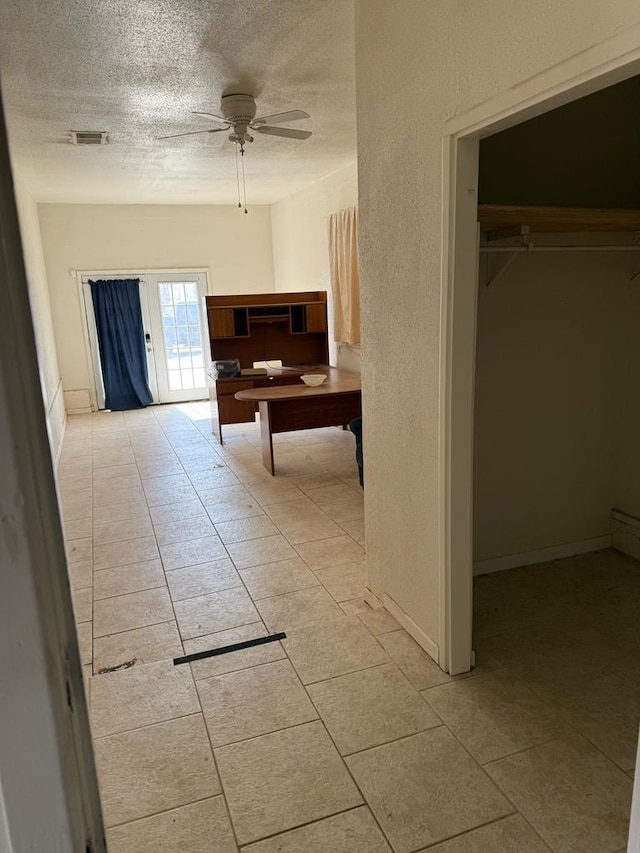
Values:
[(291, 407)]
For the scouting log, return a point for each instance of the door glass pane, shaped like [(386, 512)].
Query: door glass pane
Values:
[(175, 380), (179, 308)]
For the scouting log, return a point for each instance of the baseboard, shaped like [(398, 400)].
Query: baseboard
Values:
[(543, 555), (625, 533), (77, 401), (421, 638), (58, 453), (56, 424), (82, 411), (372, 599)]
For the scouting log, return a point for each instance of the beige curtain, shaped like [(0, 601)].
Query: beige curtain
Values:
[(345, 281)]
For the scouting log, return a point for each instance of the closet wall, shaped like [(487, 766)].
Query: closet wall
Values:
[(627, 435), (558, 353)]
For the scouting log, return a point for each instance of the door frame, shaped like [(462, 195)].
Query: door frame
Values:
[(607, 63), (87, 313)]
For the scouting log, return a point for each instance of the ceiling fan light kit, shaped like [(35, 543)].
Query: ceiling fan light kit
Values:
[(239, 117)]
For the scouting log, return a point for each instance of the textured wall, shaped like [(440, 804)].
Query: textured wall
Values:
[(41, 314), (236, 248), (419, 63), (301, 244)]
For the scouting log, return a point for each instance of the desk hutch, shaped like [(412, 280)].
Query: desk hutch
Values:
[(287, 327)]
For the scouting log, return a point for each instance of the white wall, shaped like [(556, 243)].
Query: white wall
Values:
[(235, 247), (46, 760), (418, 64), (301, 245), (555, 333), (41, 314)]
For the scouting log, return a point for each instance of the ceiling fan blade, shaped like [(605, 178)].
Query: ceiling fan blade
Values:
[(193, 133), (210, 115), (283, 131), (292, 115)]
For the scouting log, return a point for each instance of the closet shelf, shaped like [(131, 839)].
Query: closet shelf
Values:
[(496, 217)]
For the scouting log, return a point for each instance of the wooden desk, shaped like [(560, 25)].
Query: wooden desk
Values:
[(291, 407), (226, 409)]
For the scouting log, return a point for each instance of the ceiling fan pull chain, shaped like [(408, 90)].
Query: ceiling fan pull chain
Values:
[(237, 176), (244, 185)]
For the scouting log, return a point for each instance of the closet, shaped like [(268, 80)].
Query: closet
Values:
[(557, 402)]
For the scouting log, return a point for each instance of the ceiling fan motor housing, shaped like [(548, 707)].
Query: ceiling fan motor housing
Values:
[(239, 109)]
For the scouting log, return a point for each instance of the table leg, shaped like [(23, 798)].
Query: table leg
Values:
[(265, 435)]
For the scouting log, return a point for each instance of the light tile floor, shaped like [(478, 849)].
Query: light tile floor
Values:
[(345, 737)]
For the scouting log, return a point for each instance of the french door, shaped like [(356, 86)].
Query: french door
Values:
[(175, 331), (177, 335)]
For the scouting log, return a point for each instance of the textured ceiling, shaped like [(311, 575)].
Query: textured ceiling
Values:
[(138, 68)]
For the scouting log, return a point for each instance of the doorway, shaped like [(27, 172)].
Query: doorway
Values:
[(458, 323), (174, 323)]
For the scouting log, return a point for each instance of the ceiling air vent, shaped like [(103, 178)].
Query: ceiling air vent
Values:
[(89, 137)]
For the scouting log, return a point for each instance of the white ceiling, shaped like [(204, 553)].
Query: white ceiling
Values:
[(137, 68)]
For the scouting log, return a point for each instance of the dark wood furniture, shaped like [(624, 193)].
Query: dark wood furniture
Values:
[(285, 408), (263, 327)]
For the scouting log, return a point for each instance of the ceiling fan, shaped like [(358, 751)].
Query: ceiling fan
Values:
[(239, 117)]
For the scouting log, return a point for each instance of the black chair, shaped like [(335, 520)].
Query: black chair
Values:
[(356, 428)]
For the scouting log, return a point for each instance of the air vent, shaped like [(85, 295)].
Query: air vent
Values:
[(89, 137)]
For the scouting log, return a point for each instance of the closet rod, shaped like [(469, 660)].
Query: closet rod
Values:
[(527, 249)]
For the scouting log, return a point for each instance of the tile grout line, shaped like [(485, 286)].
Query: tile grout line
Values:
[(263, 838), (206, 728), (166, 586), (481, 826), (148, 725), (164, 811), (575, 730), (296, 674), (135, 462), (164, 571), (231, 558), (304, 687)]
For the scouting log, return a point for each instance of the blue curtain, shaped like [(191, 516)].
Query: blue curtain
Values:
[(116, 305)]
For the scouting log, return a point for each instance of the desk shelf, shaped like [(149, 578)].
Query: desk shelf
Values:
[(269, 318)]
